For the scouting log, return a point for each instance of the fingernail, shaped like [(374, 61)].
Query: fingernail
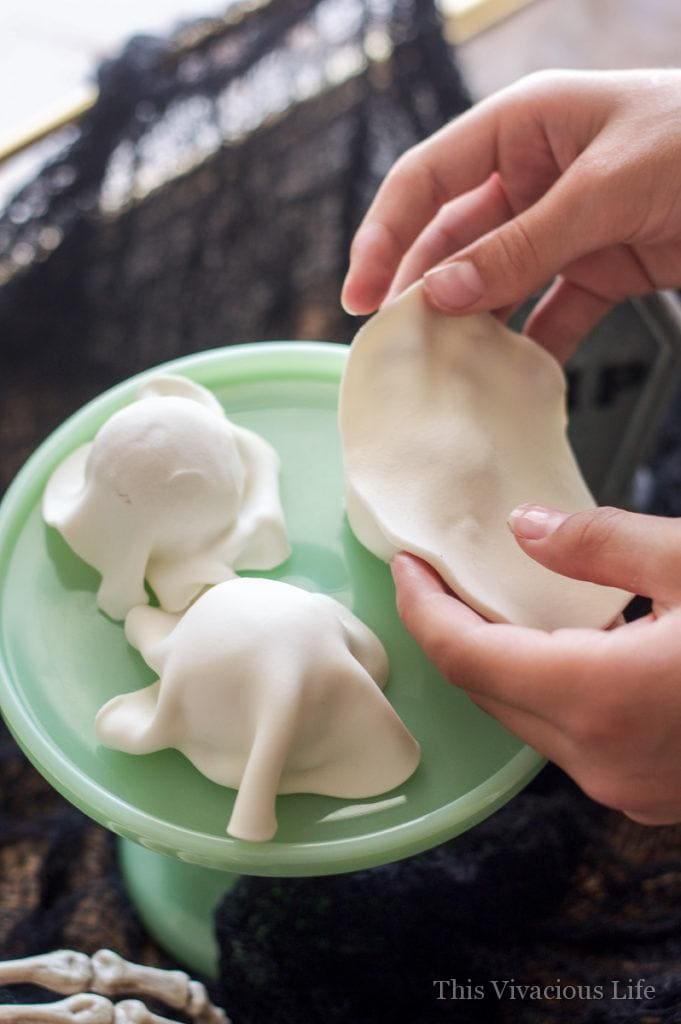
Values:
[(455, 285), (534, 522)]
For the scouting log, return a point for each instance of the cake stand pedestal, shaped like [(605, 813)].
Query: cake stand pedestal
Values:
[(176, 902)]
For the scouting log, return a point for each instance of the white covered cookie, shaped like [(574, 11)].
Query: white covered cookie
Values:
[(269, 689), (170, 491), (448, 423)]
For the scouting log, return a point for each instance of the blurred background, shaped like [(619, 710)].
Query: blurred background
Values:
[(161, 161), (50, 50)]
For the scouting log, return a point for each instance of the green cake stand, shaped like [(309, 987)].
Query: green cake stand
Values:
[(61, 659)]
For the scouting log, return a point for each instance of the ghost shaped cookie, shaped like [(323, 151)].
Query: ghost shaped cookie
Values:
[(447, 424), (170, 491), (266, 688)]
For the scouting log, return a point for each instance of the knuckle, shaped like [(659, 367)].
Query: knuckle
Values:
[(594, 531), (599, 732), (584, 731), (589, 731), (596, 173), (544, 80), (517, 249), (539, 88), (446, 229), (606, 726), (403, 171), (595, 189), (413, 173)]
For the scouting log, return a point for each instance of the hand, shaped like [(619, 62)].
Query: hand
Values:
[(568, 175), (604, 705)]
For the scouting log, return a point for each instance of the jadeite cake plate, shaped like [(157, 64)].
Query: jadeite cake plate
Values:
[(61, 660)]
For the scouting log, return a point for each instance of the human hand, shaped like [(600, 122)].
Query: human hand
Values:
[(568, 175), (604, 705)]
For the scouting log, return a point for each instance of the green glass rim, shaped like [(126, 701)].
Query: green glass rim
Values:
[(324, 361)]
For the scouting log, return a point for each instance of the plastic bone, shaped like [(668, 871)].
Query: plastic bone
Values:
[(112, 976), (133, 1011), (107, 974), (200, 1008), (63, 971), (83, 1008)]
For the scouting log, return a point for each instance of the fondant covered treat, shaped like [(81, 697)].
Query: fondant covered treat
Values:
[(448, 423), (269, 689), (169, 490)]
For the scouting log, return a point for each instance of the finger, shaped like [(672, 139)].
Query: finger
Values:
[(419, 587), (424, 178), (516, 259), (508, 663), (554, 744), (564, 316), (456, 225), (583, 294), (641, 554), (552, 675), (544, 737)]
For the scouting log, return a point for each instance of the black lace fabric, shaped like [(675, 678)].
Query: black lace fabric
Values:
[(209, 198)]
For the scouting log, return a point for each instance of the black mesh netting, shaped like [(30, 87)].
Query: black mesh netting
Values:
[(210, 198), (275, 130)]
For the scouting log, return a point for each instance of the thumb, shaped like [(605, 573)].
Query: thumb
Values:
[(508, 264), (641, 554)]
